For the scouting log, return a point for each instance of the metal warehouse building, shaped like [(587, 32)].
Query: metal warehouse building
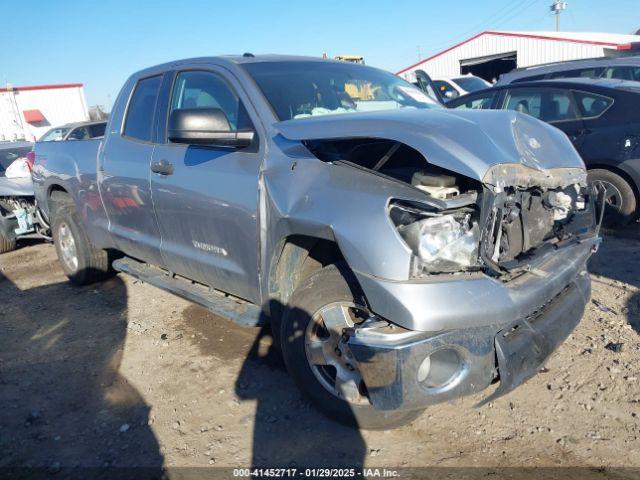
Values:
[(490, 54), (28, 112)]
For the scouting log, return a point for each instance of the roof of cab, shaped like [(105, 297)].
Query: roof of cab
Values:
[(231, 60)]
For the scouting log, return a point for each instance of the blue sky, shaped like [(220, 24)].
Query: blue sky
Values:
[(99, 43)]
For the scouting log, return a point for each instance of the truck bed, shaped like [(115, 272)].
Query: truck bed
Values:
[(71, 164)]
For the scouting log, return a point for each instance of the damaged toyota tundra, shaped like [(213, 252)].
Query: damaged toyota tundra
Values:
[(403, 254)]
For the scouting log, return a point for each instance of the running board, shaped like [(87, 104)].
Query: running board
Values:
[(239, 311)]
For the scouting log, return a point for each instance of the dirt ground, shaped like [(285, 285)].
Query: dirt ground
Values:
[(123, 374)]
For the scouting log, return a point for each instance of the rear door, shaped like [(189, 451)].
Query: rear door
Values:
[(604, 134), (552, 105), (123, 172), (206, 201)]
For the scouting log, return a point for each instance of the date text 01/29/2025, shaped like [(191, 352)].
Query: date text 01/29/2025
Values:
[(315, 472)]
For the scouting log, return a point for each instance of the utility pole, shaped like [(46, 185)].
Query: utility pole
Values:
[(556, 9), (419, 53)]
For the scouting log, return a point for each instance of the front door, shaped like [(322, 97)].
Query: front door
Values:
[(206, 197), (123, 173)]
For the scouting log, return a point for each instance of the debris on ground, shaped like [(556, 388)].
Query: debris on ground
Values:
[(614, 347)]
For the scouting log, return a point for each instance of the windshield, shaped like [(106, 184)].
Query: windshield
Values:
[(54, 135), (471, 84), (304, 89)]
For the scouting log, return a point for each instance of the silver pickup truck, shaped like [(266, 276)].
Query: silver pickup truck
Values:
[(404, 254)]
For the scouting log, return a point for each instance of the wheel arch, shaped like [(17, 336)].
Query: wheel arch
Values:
[(56, 194), (296, 258), (618, 171)]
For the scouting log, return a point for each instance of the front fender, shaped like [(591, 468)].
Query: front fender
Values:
[(339, 203)]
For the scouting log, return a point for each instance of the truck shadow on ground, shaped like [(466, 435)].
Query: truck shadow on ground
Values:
[(64, 407), (618, 259), (287, 430)]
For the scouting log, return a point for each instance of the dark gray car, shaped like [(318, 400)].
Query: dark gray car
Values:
[(18, 214), (621, 68), (600, 117), (404, 254)]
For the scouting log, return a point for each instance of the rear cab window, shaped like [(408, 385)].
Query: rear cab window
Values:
[(141, 109)]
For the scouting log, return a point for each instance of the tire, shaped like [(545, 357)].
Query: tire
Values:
[(329, 286), (91, 264), (7, 244), (620, 198)]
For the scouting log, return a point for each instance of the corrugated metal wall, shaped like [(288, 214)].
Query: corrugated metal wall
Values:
[(58, 105), (530, 51)]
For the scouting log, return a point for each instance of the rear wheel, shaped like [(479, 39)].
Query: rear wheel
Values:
[(81, 261), (7, 244), (620, 199), (318, 359)]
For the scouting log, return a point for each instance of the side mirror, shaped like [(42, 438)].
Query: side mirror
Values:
[(205, 126), (451, 94)]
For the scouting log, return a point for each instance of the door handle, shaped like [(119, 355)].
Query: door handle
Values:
[(163, 167)]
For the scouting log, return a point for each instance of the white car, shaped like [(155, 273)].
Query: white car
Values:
[(456, 86)]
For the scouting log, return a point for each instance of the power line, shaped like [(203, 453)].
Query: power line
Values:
[(515, 14), (491, 22)]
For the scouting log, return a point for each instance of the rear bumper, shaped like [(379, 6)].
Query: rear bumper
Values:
[(509, 349)]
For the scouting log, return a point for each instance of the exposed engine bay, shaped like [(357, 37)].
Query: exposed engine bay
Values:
[(497, 226), (519, 221)]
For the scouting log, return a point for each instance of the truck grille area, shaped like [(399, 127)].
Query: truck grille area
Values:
[(521, 223)]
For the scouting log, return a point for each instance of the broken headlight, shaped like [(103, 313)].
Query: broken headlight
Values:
[(441, 242)]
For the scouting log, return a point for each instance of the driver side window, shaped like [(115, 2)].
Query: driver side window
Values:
[(200, 90)]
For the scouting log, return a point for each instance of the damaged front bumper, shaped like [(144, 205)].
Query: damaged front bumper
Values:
[(487, 331)]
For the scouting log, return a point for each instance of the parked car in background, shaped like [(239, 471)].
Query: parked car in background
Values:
[(18, 214), (75, 131), (456, 86), (601, 118), (398, 269), (621, 68), (11, 151), (425, 83)]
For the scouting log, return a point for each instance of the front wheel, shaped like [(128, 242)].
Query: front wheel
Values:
[(81, 261), (317, 358)]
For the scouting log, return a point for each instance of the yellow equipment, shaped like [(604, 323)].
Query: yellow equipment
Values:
[(356, 90)]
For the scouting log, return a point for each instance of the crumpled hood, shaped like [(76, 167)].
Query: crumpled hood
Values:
[(468, 142)]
